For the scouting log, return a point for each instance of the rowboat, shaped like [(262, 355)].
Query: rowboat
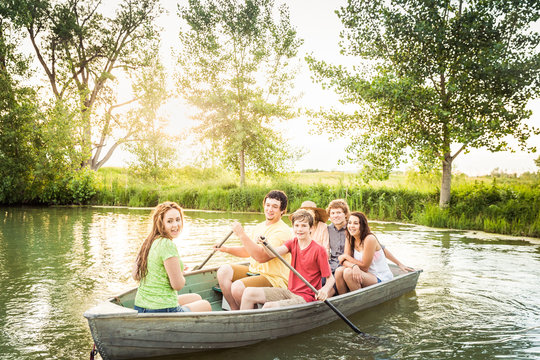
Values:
[(119, 332)]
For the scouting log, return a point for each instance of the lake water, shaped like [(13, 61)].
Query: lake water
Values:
[(478, 297)]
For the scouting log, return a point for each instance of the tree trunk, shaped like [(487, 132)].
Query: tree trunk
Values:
[(444, 198), (86, 143), (242, 169)]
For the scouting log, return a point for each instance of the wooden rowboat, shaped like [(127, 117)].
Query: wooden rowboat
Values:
[(119, 332)]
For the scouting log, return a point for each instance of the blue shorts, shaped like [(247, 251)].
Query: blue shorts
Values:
[(166, 310)]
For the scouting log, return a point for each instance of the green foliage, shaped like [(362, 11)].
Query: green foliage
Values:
[(234, 66), (509, 205), (36, 151), (81, 50), (434, 75), (18, 114), (155, 150), (500, 209), (75, 188)]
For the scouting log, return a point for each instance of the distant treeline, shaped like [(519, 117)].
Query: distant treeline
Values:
[(500, 208)]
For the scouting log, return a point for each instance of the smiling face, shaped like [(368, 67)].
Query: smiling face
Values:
[(272, 210), (337, 216), (172, 223), (301, 229), (354, 225)]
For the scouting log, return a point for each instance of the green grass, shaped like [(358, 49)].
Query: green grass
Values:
[(503, 204)]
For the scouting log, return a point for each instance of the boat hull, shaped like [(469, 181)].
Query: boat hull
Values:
[(121, 333)]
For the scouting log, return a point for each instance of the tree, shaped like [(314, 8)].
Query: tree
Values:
[(36, 153), (155, 151), (235, 67), (18, 115), (81, 52), (438, 78)]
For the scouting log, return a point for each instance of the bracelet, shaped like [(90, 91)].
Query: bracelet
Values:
[(352, 267)]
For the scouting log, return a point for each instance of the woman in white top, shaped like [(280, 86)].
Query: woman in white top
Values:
[(363, 262)]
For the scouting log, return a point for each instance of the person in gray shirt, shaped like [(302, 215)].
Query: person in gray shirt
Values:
[(339, 212)]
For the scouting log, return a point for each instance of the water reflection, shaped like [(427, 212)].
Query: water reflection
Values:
[(477, 298)]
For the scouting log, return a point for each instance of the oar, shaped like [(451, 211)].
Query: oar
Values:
[(213, 252), (351, 325)]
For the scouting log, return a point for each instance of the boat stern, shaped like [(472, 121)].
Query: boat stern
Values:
[(105, 311)]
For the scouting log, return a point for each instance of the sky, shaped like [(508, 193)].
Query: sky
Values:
[(319, 26)]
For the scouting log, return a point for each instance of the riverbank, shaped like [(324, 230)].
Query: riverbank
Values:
[(504, 205)]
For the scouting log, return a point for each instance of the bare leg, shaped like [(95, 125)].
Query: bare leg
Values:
[(271, 304), (251, 297), (341, 285), (225, 275), (368, 279), (237, 291), (199, 305), (352, 284), (188, 298)]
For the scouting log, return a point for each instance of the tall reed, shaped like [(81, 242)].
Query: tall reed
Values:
[(509, 208)]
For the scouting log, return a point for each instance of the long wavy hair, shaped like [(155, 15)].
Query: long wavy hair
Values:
[(364, 230), (158, 230)]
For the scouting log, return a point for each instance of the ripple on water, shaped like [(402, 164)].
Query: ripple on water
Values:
[(476, 299)]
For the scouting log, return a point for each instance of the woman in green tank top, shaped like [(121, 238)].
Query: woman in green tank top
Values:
[(158, 267)]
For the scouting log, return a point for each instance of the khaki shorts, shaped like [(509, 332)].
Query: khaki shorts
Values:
[(240, 272), (283, 297)]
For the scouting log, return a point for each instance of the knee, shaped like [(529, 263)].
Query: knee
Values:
[(269, 305), (250, 295), (199, 305), (339, 272), (205, 305), (224, 272), (238, 289), (247, 293), (347, 274), (188, 298)]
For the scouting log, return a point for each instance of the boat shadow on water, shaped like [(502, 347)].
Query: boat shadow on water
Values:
[(119, 332)]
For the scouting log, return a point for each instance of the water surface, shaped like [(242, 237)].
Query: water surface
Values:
[(477, 298)]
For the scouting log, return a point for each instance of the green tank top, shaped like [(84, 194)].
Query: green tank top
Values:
[(155, 291)]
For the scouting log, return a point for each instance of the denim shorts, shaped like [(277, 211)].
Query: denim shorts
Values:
[(166, 310)]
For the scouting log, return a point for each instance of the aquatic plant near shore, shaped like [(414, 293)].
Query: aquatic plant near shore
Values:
[(506, 209)]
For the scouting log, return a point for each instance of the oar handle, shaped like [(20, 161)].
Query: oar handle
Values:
[(330, 305), (214, 251)]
